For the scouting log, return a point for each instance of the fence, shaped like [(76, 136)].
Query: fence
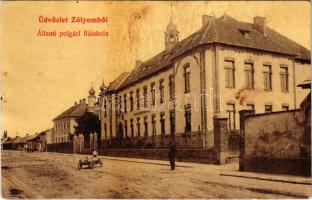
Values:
[(278, 142), (191, 140), (235, 142), (64, 147)]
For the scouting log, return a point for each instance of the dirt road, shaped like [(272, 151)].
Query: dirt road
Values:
[(52, 175)]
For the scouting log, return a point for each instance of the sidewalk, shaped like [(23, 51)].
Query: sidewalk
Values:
[(230, 169)]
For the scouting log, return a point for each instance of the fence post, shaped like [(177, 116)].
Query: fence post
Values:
[(75, 144), (220, 139), (95, 140), (80, 142), (242, 115), (91, 141)]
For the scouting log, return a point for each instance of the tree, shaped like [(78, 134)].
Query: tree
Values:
[(88, 123)]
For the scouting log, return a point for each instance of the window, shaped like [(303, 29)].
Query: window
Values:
[(161, 90), (131, 101), (105, 131), (105, 108), (187, 73), (172, 122), (245, 33), (131, 128), (251, 106), (187, 115), (171, 87), (138, 127), (145, 127), (119, 104), (267, 77), (284, 78), (153, 125), (125, 103), (231, 116), (268, 108), (138, 99), (249, 75), (153, 94), (229, 74), (145, 96), (285, 107), (126, 129), (162, 127), (116, 98)]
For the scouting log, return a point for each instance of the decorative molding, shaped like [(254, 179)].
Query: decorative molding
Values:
[(229, 59), (267, 63), (196, 58), (176, 68)]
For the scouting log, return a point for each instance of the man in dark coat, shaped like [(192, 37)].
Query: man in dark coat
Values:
[(172, 154)]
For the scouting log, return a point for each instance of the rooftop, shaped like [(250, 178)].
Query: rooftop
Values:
[(223, 30), (74, 111)]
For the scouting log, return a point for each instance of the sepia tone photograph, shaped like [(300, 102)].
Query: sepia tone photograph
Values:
[(155, 99)]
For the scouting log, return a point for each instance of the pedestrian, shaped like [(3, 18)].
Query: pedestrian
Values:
[(95, 153), (172, 154)]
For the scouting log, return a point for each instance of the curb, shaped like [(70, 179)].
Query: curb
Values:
[(267, 179)]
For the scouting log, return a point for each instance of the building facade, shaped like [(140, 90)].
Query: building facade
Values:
[(224, 67), (64, 124)]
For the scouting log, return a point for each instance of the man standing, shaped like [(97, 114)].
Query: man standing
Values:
[(172, 154)]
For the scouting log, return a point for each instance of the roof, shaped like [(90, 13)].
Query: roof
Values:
[(74, 111), (3, 140), (26, 138), (115, 84), (224, 30), (305, 84), (12, 140)]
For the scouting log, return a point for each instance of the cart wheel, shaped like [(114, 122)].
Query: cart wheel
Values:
[(91, 165)]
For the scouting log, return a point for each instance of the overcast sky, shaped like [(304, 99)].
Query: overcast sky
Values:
[(42, 76)]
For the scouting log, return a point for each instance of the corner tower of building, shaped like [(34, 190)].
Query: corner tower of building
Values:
[(171, 36), (91, 99)]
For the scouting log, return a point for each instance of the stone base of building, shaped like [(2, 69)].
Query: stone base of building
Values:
[(183, 155), (277, 165), (191, 140), (64, 147)]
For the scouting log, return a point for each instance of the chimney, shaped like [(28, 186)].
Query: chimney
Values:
[(138, 63), (259, 24), (84, 100), (206, 19), (75, 103), (80, 101)]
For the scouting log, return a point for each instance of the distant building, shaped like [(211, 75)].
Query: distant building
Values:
[(49, 136), (4, 138), (224, 67), (64, 124)]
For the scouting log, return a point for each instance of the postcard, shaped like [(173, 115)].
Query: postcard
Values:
[(155, 99)]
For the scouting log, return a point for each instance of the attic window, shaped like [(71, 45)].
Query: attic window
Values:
[(245, 33)]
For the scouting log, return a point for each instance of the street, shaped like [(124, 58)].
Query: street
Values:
[(55, 175)]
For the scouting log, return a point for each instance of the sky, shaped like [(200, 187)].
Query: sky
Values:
[(43, 76)]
